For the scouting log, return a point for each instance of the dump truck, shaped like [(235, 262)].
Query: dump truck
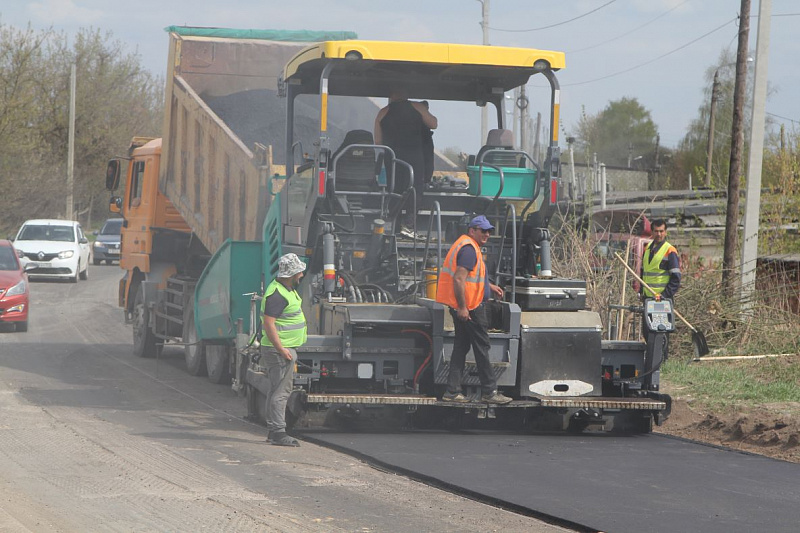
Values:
[(379, 343), (205, 181)]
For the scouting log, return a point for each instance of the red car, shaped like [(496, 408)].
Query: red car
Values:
[(14, 293)]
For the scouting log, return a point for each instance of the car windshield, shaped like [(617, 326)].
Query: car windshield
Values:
[(47, 233), (8, 260), (112, 227)]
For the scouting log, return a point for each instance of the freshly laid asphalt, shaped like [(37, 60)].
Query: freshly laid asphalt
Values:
[(602, 482)]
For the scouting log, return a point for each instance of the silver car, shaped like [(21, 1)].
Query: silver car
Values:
[(107, 245)]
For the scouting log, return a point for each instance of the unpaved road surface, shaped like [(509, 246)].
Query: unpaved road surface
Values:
[(94, 439)]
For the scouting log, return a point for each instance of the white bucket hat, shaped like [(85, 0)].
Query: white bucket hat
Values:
[(289, 265)]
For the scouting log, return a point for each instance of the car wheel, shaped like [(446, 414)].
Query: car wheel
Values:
[(96, 261), (109, 261), (194, 350), (217, 363), (22, 327), (74, 279), (85, 274), (144, 342)]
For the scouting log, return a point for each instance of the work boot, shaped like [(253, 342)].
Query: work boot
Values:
[(454, 397), (281, 438), (496, 398)]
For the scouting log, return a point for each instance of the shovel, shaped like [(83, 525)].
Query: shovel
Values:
[(698, 338)]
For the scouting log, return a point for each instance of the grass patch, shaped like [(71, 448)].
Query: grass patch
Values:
[(723, 384)]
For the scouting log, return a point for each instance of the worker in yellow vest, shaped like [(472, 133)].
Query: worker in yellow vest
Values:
[(661, 265), (464, 287), (284, 330)]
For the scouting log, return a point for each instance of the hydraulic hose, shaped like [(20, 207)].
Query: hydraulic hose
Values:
[(427, 359)]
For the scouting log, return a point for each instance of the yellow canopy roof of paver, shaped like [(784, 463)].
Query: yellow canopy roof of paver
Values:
[(438, 71)]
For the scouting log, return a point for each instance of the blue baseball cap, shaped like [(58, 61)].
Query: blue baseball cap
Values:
[(481, 222)]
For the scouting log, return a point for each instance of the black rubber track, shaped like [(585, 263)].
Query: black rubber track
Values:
[(597, 482)]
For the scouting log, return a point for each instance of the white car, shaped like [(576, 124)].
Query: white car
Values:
[(58, 248)]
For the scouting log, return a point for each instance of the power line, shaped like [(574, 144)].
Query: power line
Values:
[(662, 56), (557, 23), (667, 12), (784, 118)]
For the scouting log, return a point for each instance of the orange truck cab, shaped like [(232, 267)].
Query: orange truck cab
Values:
[(152, 224)]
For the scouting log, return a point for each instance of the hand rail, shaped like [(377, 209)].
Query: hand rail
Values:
[(437, 210), (510, 210)]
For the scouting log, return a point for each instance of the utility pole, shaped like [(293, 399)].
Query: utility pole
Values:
[(71, 144), (485, 108), (753, 193), (712, 114), (737, 140)]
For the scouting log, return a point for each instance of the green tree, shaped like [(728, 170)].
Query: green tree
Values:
[(115, 100), (692, 149), (623, 131)]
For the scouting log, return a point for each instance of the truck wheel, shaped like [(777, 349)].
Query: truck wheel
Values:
[(96, 261), (217, 363), (144, 342), (194, 349)]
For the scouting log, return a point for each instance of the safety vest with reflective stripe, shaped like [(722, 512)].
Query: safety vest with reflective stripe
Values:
[(291, 325), (473, 288), (651, 269)]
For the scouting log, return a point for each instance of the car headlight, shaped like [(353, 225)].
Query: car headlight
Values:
[(19, 288), (66, 254), (98, 244)]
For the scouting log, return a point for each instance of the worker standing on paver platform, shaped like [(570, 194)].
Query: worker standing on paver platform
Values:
[(463, 287), (402, 126), (284, 330), (661, 265)]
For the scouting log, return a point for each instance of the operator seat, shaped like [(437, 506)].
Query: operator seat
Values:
[(498, 139), (355, 171)]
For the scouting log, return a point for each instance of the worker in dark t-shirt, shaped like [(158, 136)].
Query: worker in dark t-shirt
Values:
[(284, 330), (401, 126)]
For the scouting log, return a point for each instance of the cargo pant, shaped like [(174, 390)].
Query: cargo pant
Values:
[(472, 333), (280, 375)]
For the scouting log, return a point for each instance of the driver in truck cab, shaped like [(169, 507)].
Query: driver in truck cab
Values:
[(284, 330)]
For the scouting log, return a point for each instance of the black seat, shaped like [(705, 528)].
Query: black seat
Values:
[(355, 171), (499, 140)]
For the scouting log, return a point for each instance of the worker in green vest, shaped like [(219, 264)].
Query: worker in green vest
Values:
[(284, 330), (661, 265)]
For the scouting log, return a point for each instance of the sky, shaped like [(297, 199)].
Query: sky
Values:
[(657, 51)]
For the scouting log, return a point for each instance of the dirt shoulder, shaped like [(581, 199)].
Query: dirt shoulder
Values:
[(770, 430)]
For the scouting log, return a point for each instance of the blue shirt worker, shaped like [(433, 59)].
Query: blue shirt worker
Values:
[(661, 265), (284, 330), (464, 287)]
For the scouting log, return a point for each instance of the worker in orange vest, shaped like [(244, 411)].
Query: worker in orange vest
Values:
[(464, 287)]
